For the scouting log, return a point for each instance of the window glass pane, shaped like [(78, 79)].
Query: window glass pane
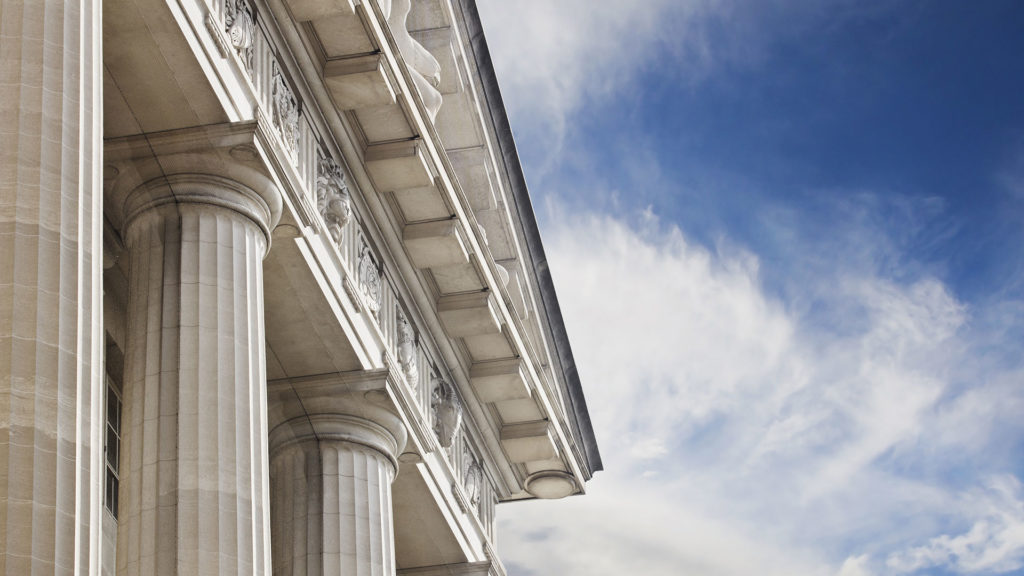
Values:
[(110, 501), (114, 493), (112, 448), (112, 415)]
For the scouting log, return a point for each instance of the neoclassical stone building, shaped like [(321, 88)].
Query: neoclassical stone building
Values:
[(272, 295)]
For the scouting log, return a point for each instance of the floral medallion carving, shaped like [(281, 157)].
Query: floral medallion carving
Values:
[(332, 197), (407, 349), (472, 477), (444, 402), (285, 110), (241, 28), (369, 279)]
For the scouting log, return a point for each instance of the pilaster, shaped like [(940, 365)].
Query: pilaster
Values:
[(51, 333)]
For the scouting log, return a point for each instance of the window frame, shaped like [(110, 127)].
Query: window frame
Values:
[(112, 472)]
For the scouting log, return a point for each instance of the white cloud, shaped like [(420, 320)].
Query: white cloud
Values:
[(552, 56), (856, 566), (805, 431), (706, 334), (633, 528), (994, 544), (741, 436)]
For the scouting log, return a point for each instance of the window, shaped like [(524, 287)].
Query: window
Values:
[(112, 448)]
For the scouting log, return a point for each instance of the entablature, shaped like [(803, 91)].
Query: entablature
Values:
[(368, 119)]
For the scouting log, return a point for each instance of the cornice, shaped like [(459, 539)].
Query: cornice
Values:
[(581, 423)]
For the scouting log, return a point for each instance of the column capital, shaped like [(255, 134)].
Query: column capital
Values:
[(171, 192), (352, 407), (223, 165)]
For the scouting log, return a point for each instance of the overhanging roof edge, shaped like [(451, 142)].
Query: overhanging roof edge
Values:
[(531, 232)]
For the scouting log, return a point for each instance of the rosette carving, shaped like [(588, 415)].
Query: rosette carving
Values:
[(369, 279), (472, 477)]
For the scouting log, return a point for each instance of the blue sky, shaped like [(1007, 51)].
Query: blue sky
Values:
[(787, 239)]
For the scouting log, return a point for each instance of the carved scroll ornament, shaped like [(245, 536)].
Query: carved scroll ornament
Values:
[(407, 349), (447, 412), (332, 198), (285, 110), (241, 28)]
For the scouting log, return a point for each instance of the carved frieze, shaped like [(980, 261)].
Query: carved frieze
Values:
[(369, 280), (241, 28), (407, 349), (285, 110), (332, 197), (444, 402)]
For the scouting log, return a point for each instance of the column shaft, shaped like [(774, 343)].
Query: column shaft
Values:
[(332, 510), (194, 474), (51, 332), (334, 444)]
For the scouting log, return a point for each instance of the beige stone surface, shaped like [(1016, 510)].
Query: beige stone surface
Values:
[(334, 445), (499, 380), (332, 510), (459, 569), (458, 279), (305, 10), (473, 167), (420, 204), (516, 411), (435, 244), (399, 166), (50, 286), (528, 441), (468, 314), (439, 42), (194, 468), (359, 82), (383, 124), (153, 71), (341, 34), (456, 132)]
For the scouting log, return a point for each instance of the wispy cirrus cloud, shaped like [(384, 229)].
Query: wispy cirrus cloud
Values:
[(572, 51), (994, 544), (741, 434), (795, 390), (855, 566), (552, 58)]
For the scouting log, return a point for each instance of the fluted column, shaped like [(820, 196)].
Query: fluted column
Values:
[(334, 446), (195, 467), (51, 332)]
